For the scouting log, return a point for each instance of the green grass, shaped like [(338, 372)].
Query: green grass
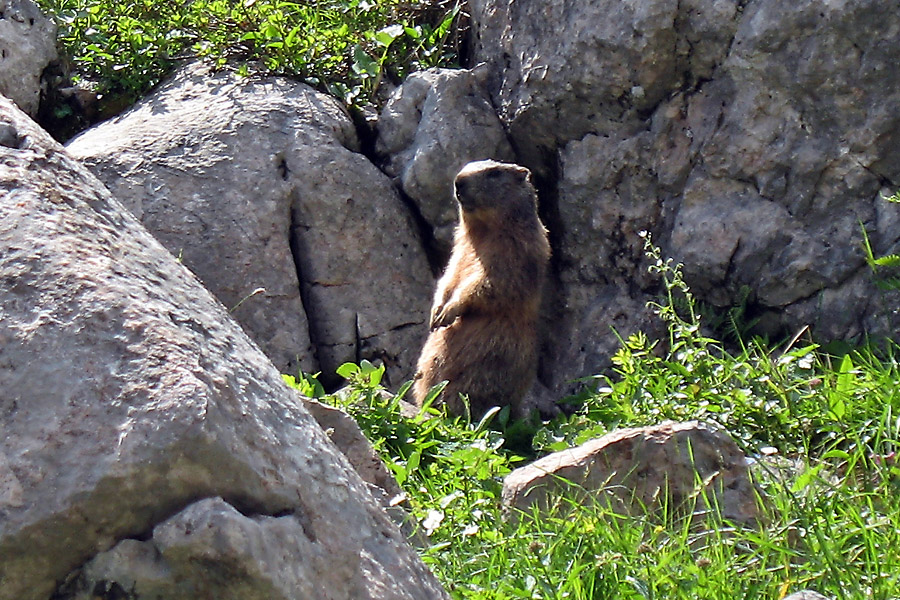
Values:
[(832, 524), (123, 47)]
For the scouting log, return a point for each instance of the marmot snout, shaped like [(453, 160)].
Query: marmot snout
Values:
[(483, 338)]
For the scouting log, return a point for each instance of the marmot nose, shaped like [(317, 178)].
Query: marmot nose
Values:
[(464, 192)]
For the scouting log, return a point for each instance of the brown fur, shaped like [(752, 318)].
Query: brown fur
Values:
[(483, 338)]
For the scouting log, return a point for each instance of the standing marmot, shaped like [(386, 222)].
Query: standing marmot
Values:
[(483, 336)]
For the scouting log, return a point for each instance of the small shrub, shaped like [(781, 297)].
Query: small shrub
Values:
[(346, 46)]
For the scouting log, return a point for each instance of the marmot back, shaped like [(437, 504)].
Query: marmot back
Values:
[(483, 338)]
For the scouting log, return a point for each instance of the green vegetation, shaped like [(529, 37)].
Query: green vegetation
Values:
[(345, 46), (885, 269), (833, 517)]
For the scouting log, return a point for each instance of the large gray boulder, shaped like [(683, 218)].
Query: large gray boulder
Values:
[(258, 185), (27, 46), (753, 140), (130, 400)]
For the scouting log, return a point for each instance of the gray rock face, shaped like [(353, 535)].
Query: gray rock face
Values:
[(27, 46), (436, 122), (795, 164), (222, 553), (566, 68), (636, 470), (751, 139), (256, 185), (130, 396)]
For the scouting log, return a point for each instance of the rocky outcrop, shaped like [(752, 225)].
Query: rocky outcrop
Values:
[(139, 421), (257, 186), (435, 123), (27, 46), (563, 69), (751, 139), (680, 466)]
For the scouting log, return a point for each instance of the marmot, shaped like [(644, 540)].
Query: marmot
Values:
[(483, 338)]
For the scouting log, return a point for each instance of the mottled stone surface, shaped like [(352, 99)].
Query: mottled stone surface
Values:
[(754, 140), (639, 470), (129, 395), (27, 46), (258, 185), (212, 550), (435, 123)]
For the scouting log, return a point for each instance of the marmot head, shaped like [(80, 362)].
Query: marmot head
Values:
[(489, 189)]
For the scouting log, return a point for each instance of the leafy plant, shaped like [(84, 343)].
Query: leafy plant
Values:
[(790, 398), (448, 460), (124, 47), (885, 269), (834, 527)]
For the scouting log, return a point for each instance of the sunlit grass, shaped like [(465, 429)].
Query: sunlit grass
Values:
[(821, 430)]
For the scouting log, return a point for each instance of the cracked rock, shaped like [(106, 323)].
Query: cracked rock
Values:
[(257, 186), (565, 68), (211, 550), (690, 467), (130, 394)]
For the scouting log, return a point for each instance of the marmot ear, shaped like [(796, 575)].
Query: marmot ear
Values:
[(525, 175)]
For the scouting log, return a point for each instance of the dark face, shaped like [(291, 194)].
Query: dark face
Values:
[(487, 184)]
